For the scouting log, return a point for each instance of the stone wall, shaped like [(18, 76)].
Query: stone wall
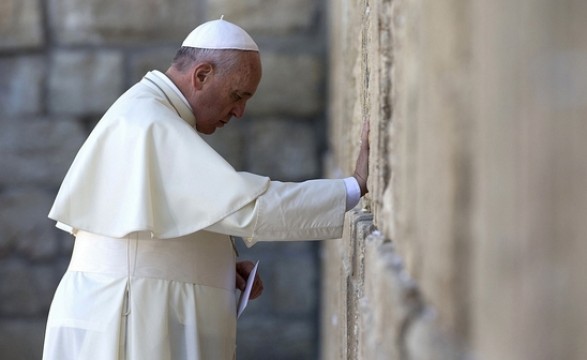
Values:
[(471, 244), (64, 62)]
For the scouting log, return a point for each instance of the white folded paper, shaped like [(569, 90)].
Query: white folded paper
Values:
[(246, 294)]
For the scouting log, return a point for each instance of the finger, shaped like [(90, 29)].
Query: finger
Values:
[(240, 282), (244, 267), (257, 290)]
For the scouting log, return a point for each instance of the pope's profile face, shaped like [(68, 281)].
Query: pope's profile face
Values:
[(225, 94)]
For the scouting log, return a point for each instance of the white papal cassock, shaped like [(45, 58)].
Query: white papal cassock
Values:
[(153, 207)]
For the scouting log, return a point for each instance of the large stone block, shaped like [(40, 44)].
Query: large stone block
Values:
[(21, 80), (21, 339), (37, 151), (267, 17), (83, 82), (122, 21), (24, 226), (284, 150), (21, 24), (291, 85)]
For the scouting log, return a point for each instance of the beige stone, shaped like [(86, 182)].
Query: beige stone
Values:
[(477, 176)]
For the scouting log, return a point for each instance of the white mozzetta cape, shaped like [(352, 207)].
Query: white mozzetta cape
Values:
[(145, 168)]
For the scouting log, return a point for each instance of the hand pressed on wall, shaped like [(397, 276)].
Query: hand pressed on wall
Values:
[(362, 165)]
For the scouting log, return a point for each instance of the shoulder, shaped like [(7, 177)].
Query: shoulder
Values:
[(141, 107)]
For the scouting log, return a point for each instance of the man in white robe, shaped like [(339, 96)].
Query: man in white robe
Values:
[(154, 209)]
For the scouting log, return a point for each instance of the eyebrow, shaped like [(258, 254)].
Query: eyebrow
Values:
[(243, 93)]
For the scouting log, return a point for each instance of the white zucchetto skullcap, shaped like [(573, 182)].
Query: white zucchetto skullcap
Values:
[(220, 34)]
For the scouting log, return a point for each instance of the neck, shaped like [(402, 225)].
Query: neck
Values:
[(181, 80)]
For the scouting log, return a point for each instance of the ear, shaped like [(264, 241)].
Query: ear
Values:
[(201, 74)]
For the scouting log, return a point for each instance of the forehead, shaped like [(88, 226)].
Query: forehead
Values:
[(247, 74)]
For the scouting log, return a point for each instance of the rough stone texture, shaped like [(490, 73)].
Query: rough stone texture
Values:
[(477, 179), (122, 21), (291, 85), (20, 24), (94, 81), (261, 17), (531, 201), (21, 82), (37, 151), (288, 149)]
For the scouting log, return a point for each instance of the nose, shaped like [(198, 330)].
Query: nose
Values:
[(239, 110)]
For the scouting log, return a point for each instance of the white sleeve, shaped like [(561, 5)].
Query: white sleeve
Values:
[(310, 210), (353, 192)]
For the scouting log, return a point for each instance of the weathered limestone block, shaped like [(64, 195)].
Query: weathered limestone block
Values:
[(284, 150), (121, 21), (530, 256), (20, 24), (21, 81), (343, 267), (84, 82), (22, 339), (390, 304), (37, 151), (291, 85), (425, 340), (24, 225), (266, 17)]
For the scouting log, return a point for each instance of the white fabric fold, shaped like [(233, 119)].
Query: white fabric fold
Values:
[(145, 168)]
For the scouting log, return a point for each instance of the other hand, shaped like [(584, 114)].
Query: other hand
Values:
[(243, 269)]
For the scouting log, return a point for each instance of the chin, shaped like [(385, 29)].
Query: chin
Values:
[(206, 131)]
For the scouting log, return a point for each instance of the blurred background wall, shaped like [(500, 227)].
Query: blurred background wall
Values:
[(473, 241), (63, 62)]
